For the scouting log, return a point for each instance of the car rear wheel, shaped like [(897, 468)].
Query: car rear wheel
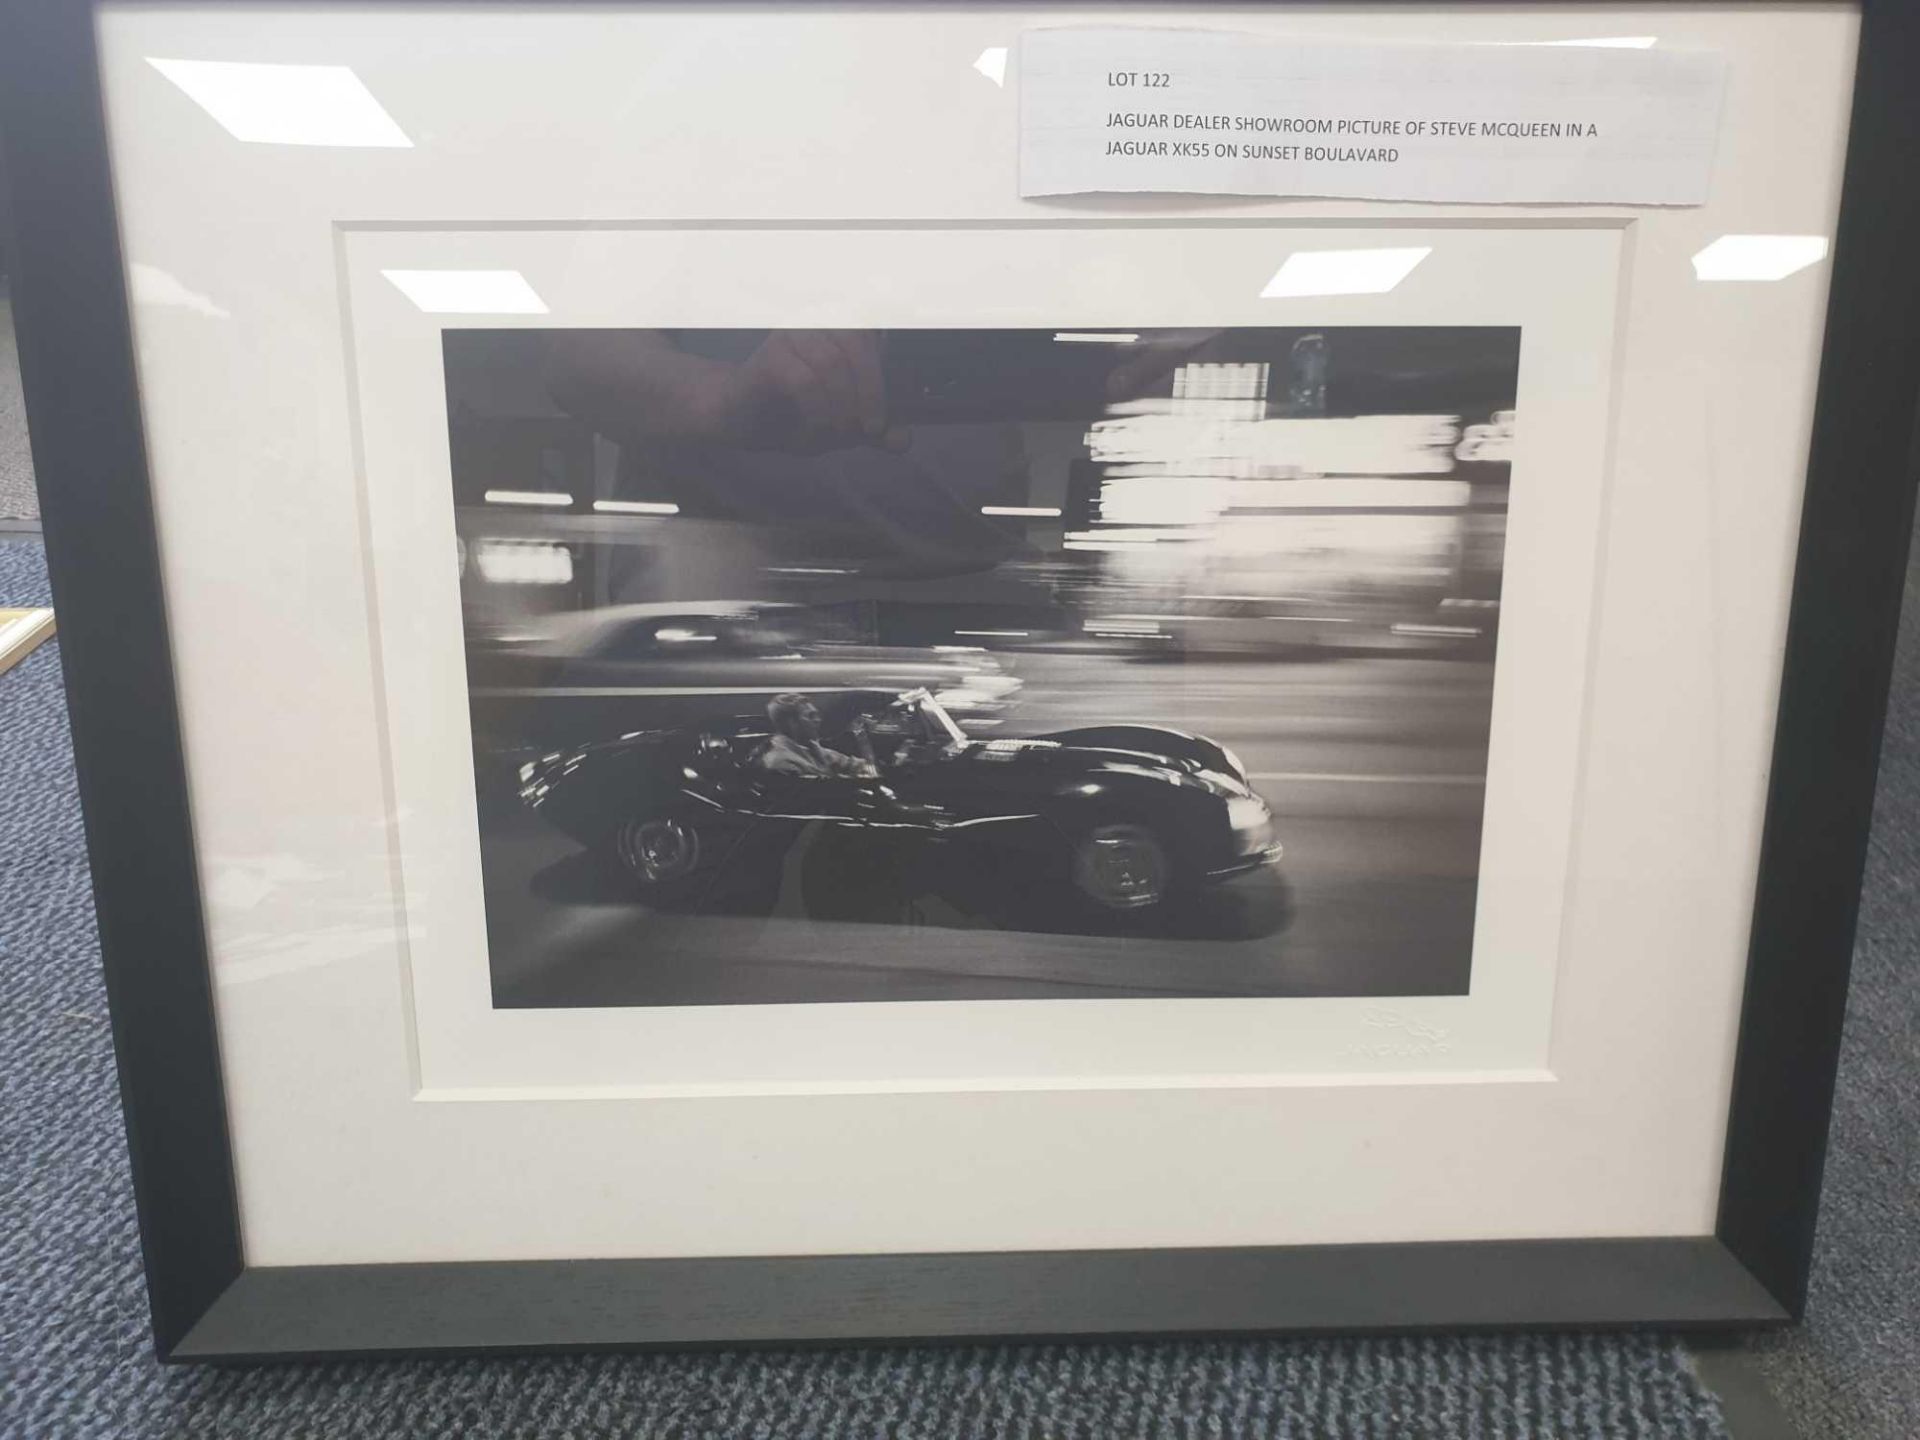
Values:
[(660, 852), (1121, 866)]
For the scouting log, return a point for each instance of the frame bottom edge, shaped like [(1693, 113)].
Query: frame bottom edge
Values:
[(296, 1312)]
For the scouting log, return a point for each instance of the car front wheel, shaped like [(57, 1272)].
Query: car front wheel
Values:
[(1121, 866), (661, 853)]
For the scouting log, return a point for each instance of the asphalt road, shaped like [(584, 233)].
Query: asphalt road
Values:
[(1374, 768)]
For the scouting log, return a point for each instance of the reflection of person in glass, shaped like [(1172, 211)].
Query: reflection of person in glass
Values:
[(867, 450), (788, 435), (795, 749), (1307, 366)]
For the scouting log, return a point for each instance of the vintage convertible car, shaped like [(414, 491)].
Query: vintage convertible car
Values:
[(1123, 817)]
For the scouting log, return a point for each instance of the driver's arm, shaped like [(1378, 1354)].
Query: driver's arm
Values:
[(863, 741), (850, 765)]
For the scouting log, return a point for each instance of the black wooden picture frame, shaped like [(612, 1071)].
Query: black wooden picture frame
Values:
[(208, 1304)]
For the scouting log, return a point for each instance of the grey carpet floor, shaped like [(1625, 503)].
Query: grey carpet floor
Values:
[(74, 1357)]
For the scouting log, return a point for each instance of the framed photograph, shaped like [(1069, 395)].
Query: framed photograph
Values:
[(841, 673)]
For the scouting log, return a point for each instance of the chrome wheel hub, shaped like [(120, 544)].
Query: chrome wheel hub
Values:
[(659, 850), (1121, 867)]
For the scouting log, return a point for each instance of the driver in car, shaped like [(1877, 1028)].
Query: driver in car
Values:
[(796, 749)]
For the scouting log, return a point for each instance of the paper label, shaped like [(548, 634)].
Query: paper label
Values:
[(1211, 112)]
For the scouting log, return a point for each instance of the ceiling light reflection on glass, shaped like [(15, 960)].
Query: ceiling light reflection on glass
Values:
[(1612, 42), (150, 285), (1758, 257), (468, 292), (1343, 272), (287, 104), (1601, 42)]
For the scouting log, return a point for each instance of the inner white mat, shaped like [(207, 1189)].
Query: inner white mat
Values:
[(1559, 286)]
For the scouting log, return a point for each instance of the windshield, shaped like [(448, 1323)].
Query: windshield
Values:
[(939, 722)]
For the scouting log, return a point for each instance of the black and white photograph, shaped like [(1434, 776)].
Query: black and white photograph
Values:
[(979, 664)]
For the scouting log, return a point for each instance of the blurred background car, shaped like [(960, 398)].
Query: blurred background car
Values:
[(594, 674)]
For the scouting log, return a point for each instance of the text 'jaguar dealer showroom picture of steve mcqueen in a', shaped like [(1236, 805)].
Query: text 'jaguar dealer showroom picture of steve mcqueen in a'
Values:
[(814, 666)]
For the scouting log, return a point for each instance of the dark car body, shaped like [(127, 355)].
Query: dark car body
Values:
[(1127, 815)]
